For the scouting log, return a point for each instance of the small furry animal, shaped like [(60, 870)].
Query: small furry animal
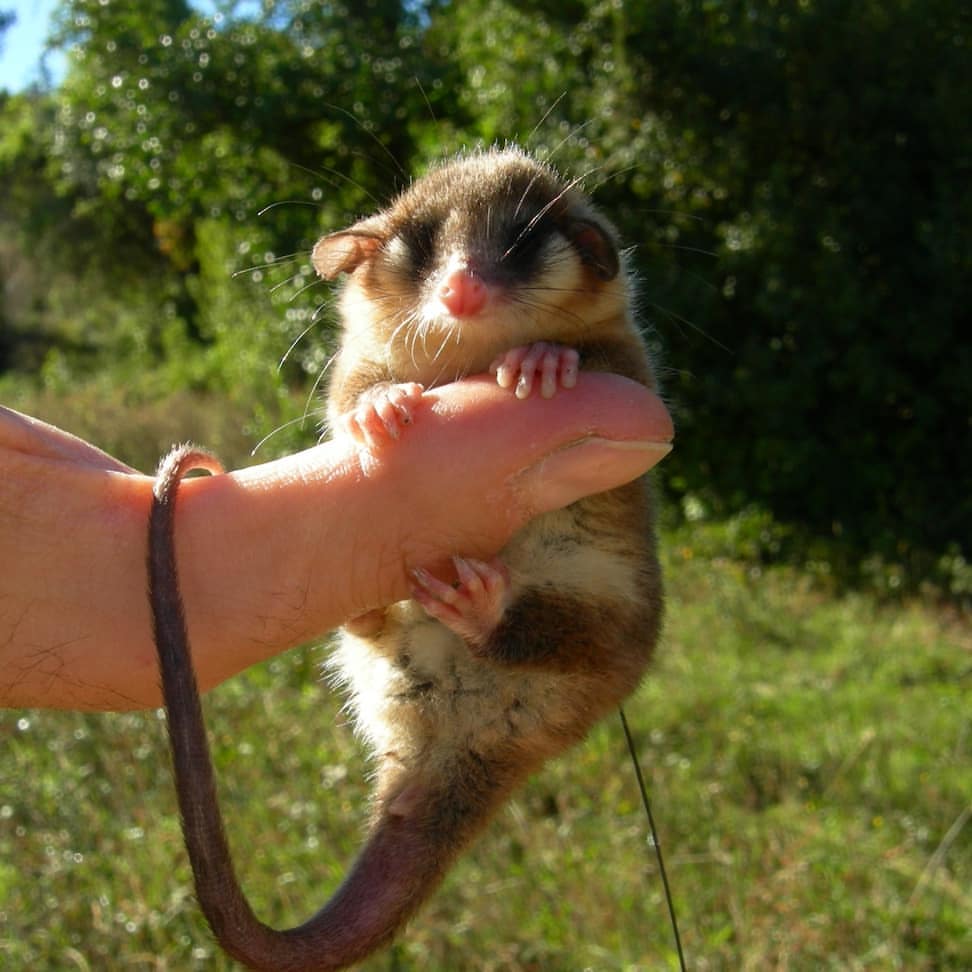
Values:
[(489, 262)]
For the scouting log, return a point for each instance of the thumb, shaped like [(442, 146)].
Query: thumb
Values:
[(549, 453), (589, 466), (482, 463)]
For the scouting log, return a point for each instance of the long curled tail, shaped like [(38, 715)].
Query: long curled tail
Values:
[(419, 829)]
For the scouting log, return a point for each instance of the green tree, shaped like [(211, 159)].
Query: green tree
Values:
[(792, 178), (182, 148), (7, 20), (821, 153)]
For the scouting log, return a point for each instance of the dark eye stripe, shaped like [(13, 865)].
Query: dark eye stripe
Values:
[(527, 238), (419, 239)]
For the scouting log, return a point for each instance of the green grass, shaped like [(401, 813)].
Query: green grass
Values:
[(809, 756)]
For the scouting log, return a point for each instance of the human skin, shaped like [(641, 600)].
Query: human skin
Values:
[(275, 555)]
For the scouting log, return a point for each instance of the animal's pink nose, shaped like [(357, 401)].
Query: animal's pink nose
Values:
[(463, 293)]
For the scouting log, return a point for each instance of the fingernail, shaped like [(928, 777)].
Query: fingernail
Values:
[(587, 467)]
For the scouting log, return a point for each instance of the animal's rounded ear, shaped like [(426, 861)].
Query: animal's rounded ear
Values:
[(346, 250), (596, 246)]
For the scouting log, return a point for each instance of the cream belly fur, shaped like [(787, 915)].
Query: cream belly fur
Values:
[(417, 685)]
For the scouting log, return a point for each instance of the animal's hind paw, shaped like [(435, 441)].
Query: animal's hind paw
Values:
[(473, 606)]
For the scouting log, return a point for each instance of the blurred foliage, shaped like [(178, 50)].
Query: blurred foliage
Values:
[(793, 178)]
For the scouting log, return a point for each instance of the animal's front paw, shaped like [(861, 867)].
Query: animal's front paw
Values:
[(381, 414), (554, 365), (473, 606)]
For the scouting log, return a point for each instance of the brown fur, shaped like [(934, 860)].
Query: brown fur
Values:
[(568, 648)]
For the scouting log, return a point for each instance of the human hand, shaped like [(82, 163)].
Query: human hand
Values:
[(277, 554)]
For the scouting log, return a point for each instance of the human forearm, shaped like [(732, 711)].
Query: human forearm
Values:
[(277, 554), (71, 616)]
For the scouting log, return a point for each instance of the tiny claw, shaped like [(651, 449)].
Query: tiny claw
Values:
[(550, 365), (381, 414), (568, 377)]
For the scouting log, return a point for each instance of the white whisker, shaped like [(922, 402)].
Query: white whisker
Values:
[(300, 337), (304, 289), (275, 262), (545, 116), (288, 202), (299, 420), (317, 384), (287, 280)]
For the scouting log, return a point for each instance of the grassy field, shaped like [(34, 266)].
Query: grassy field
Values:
[(809, 756)]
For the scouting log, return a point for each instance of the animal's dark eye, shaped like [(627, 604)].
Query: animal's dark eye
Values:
[(526, 239), (419, 239)]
